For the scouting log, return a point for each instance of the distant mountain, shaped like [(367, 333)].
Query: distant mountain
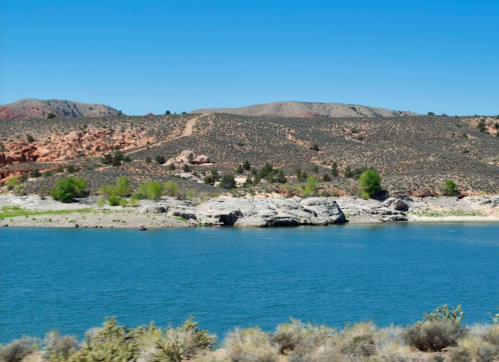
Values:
[(34, 108), (308, 109)]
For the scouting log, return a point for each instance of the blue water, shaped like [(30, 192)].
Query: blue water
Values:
[(70, 279)]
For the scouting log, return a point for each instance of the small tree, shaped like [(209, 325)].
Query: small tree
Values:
[(67, 189), (35, 173), (334, 169), (123, 187), (311, 186), (148, 159), (168, 113), (431, 113), (228, 182), (370, 182), (190, 158), (240, 169), (106, 159), (170, 188), (51, 115), (160, 159), (449, 187), (247, 165), (481, 126), (315, 147), (171, 166), (187, 168), (281, 177), (30, 138)]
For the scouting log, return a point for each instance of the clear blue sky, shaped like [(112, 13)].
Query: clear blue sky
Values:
[(151, 55)]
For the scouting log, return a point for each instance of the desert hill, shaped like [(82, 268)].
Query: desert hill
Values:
[(413, 154), (308, 109), (34, 108)]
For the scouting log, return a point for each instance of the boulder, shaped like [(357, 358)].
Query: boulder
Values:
[(201, 159), (154, 209)]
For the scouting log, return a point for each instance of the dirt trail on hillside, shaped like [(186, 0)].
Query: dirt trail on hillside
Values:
[(189, 125)]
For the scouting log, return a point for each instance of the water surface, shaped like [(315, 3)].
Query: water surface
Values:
[(70, 279)]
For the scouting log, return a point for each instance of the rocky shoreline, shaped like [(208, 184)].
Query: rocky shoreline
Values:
[(260, 211)]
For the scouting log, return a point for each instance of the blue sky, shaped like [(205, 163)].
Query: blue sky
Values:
[(152, 56)]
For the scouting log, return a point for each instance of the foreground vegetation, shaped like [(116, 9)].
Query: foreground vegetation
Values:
[(440, 336)]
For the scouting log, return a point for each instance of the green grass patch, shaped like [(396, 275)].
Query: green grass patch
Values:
[(16, 211)]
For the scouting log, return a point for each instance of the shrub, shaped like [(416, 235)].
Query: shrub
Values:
[(101, 202), (127, 159), (106, 159), (449, 187), (35, 173), (17, 350), (281, 177), (123, 187), (114, 201), (30, 138), (112, 343), (151, 190), (13, 181), (443, 312), (148, 159), (326, 178), (431, 113), (311, 186), (171, 166), (240, 169), (59, 348), (182, 343), (187, 168), (123, 202), (69, 188), (315, 147), (228, 182), (433, 335), (117, 158), (215, 174), (249, 345), (23, 177), (133, 201), (247, 164), (334, 169), (170, 188), (370, 182), (160, 159), (209, 180), (59, 168), (481, 126), (72, 169), (51, 115), (315, 168)]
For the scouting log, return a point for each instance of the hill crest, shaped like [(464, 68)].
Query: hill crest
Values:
[(308, 109), (35, 108)]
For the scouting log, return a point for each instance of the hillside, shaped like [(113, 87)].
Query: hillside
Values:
[(34, 108), (414, 155), (307, 109)]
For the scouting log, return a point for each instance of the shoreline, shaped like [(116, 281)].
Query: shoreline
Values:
[(266, 211)]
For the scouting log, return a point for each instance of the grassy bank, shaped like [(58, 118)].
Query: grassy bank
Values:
[(440, 336)]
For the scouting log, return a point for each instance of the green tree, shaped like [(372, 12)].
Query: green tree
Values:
[(311, 186), (228, 182), (431, 113), (246, 165), (69, 188), (151, 190), (334, 169), (315, 147), (281, 177), (449, 187), (123, 187), (170, 188), (106, 159), (171, 166), (187, 168), (30, 138), (160, 159), (370, 182), (168, 113), (240, 169), (51, 115)]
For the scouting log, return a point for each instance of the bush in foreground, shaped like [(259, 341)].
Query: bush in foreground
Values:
[(18, 349), (69, 188), (249, 345)]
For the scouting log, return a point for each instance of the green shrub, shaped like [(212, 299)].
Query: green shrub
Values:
[(315, 168), (101, 202), (228, 182), (370, 182), (160, 159), (151, 190), (51, 115), (450, 187), (72, 169), (247, 165), (59, 348), (148, 159), (69, 188), (133, 201), (334, 169), (35, 173), (23, 177), (481, 126), (311, 186), (18, 349), (30, 138), (433, 335), (187, 168), (112, 343), (60, 168), (170, 188), (326, 178), (249, 345), (171, 166), (123, 202), (209, 180), (13, 181), (123, 187), (114, 201), (240, 169)]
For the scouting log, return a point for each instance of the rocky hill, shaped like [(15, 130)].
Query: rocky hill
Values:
[(308, 109), (414, 154), (34, 108)]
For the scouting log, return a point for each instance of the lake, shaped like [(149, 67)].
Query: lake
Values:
[(71, 279)]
